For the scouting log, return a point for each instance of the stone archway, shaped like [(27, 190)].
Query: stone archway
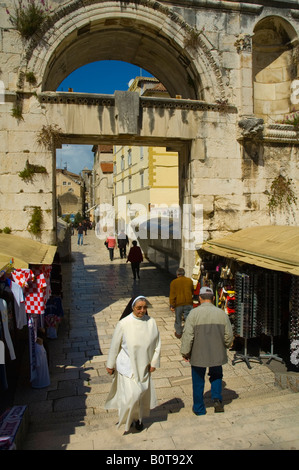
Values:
[(213, 75), (147, 34), (275, 66)]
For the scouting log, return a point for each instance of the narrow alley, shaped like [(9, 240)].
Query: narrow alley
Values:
[(70, 414)]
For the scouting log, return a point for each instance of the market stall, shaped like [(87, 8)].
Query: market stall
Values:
[(255, 274), (30, 305)]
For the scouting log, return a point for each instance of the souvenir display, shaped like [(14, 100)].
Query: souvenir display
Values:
[(29, 298), (262, 305)]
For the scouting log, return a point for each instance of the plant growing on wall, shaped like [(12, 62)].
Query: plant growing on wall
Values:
[(192, 39), (281, 195), (17, 111), (6, 230), (49, 137), (30, 78), (30, 170), (28, 16), (291, 119), (36, 221)]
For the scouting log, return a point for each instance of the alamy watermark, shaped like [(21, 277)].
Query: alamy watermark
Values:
[(161, 222)]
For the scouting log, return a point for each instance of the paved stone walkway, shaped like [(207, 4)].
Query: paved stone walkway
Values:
[(69, 414)]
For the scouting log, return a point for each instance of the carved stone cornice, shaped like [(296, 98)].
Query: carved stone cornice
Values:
[(254, 129), (281, 133), (52, 97)]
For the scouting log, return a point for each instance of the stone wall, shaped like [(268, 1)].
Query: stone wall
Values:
[(20, 197), (211, 53)]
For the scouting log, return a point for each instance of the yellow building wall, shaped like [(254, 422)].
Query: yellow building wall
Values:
[(156, 168)]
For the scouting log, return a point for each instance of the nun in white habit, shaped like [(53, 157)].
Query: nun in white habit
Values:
[(134, 354)]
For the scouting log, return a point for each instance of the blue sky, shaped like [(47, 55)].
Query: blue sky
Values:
[(98, 77)]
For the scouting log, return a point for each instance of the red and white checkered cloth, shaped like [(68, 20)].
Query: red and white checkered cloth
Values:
[(23, 277), (36, 284)]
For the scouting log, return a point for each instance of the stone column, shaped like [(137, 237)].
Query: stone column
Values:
[(189, 216), (244, 49)]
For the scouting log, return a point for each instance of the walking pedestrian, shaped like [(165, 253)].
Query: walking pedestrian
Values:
[(80, 231), (111, 244), (134, 354), (85, 226), (135, 257), (181, 299), (207, 336), (123, 241)]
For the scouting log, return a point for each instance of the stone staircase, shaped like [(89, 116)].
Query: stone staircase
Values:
[(256, 417), (70, 413)]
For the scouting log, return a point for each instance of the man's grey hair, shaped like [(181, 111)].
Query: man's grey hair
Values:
[(207, 296), (180, 272)]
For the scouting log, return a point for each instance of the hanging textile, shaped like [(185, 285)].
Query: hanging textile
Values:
[(32, 328), (36, 286), (42, 376), (4, 318), (38, 291), (23, 277), (19, 304)]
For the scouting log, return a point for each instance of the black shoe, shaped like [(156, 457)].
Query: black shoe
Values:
[(218, 406), (138, 425)]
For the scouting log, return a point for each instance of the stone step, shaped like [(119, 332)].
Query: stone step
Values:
[(68, 430)]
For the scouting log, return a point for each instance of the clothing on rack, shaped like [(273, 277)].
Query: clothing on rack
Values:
[(4, 318), (38, 291), (19, 304), (42, 376)]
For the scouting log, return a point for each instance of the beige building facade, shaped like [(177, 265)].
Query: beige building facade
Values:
[(101, 180), (70, 193)]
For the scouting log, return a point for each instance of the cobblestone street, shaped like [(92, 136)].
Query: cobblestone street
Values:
[(69, 414)]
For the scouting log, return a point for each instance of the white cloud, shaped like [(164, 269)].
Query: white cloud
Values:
[(74, 157)]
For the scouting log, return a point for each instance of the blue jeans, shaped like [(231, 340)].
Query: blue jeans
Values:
[(181, 312), (80, 238), (198, 384)]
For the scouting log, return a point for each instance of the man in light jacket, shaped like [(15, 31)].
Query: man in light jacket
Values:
[(207, 336)]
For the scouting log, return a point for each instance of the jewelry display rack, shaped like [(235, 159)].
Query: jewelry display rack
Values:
[(271, 356)]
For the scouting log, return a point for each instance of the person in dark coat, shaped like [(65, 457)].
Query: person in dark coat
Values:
[(135, 257), (123, 241)]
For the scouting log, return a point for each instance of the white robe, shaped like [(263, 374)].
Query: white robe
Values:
[(135, 344)]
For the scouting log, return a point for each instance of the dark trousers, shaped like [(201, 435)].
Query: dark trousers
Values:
[(135, 269)]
